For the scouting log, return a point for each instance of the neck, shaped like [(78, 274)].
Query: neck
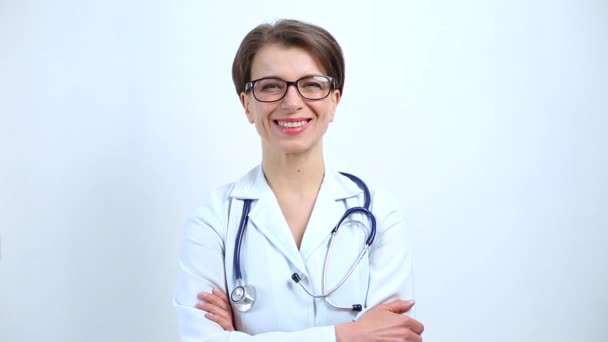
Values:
[(296, 173)]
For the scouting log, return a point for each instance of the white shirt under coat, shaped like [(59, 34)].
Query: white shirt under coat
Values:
[(269, 256)]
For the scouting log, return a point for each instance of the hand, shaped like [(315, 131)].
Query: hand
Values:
[(218, 308), (384, 322)]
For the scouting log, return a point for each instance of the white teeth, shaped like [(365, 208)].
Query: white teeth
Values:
[(292, 124)]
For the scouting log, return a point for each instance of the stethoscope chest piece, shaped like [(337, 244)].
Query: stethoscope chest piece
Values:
[(243, 297)]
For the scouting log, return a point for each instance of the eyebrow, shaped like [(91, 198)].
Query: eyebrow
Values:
[(281, 78)]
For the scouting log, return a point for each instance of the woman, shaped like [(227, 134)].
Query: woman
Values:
[(290, 77)]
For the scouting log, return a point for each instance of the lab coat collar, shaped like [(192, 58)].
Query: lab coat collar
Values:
[(253, 184), (267, 216)]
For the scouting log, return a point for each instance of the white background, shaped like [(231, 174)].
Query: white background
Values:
[(487, 119)]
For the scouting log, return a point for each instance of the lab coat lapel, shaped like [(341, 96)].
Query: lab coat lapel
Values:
[(266, 216), (329, 208)]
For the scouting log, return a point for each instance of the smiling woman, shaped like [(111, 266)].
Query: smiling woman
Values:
[(267, 239)]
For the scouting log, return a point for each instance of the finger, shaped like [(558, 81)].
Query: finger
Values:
[(413, 337), (225, 324), (414, 325), (210, 308), (399, 306), (213, 310), (215, 300), (222, 322), (220, 294)]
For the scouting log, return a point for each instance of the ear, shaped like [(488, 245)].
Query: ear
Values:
[(246, 102), (333, 103)]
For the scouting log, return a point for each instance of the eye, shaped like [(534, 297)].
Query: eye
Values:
[(270, 85), (312, 85), (315, 83)]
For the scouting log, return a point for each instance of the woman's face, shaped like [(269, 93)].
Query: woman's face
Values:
[(292, 124)]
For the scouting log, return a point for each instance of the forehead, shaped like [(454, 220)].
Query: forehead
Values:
[(289, 63)]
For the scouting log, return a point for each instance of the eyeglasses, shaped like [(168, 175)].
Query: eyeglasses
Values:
[(272, 89)]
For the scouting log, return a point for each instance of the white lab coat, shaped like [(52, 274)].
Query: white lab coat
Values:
[(269, 256)]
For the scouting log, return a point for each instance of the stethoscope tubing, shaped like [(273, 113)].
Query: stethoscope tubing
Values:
[(236, 263), (247, 301), (372, 218)]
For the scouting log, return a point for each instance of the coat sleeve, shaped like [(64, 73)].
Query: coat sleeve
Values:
[(390, 260), (201, 268)]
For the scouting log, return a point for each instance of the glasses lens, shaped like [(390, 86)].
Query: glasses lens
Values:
[(314, 87), (269, 89)]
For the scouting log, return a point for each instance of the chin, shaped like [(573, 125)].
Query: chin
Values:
[(293, 147)]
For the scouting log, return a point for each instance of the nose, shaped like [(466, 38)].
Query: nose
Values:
[(292, 100)]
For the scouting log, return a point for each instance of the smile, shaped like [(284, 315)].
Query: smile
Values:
[(292, 124)]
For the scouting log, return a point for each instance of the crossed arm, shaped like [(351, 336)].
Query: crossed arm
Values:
[(384, 322)]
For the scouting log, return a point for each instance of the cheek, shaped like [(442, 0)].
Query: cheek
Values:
[(330, 111), (327, 111), (260, 112), (261, 116)]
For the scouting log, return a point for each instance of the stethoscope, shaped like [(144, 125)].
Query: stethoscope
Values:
[(243, 295)]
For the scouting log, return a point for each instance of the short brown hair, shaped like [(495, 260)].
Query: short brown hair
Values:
[(290, 33)]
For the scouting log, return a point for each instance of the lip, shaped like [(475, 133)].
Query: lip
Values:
[(292, 130)]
